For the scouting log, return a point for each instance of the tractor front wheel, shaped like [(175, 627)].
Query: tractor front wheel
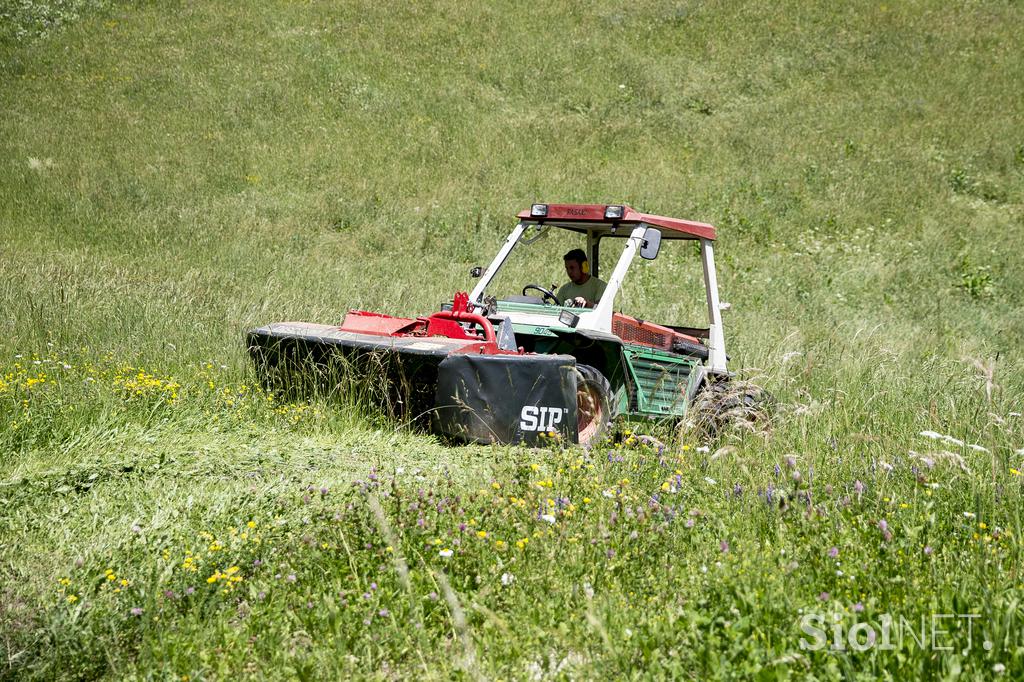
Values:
[(593, 404)]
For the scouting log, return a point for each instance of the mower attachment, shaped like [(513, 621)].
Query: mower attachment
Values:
[(506, 398)]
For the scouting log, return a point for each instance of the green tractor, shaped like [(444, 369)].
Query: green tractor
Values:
[(501, 365)]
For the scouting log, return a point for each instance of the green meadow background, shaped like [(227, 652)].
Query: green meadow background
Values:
[(174, 173)]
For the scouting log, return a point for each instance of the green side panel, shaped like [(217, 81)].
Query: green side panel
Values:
[(533, 330), (661, 380), (536, 309)]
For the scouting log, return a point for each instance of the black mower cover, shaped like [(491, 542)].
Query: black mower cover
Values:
[(506, 398)]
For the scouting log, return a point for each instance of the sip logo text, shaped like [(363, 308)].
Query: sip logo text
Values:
[(540, 417)]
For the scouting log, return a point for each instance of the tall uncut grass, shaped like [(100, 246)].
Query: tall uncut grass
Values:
[(173, 174)]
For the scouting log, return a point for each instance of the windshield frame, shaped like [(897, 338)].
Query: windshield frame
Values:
[(600, 316)]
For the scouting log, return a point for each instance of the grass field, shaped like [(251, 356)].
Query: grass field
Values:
[(175, 173)]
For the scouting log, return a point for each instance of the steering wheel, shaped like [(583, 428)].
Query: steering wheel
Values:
[(546, 294)]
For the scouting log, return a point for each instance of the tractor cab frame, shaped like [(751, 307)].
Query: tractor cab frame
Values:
[(643, 233)]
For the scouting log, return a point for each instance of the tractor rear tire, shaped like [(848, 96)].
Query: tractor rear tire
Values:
[(725, 403), (593, 404)]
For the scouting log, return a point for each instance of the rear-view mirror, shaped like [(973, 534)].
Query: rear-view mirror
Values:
[(652, 243)]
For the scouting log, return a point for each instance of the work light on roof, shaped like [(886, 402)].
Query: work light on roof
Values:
[(539, 210), (614, 212)]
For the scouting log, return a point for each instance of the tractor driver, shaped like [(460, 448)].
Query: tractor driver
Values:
[(582, 290)]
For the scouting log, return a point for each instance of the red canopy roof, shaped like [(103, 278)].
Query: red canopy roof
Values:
[(584, 217)]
